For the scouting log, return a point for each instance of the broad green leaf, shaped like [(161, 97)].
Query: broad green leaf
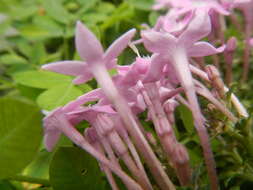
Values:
[(20, 135), (105, 8), (87, 4), (74, 169), (52, 27), (153, 18), (58, 96), (38, 53), (29, 92), (41, 79), (23, 12), (33, 32), (40, 166), (55, 9), (186, 116), (16, 68), (123, 12), (142, 4), (9, 59), (6, 185)]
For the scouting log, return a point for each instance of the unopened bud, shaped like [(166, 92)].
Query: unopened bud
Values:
[(215, 78), (231, 45), (180, 154)]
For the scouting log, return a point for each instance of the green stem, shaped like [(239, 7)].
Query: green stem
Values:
[(29, 179)]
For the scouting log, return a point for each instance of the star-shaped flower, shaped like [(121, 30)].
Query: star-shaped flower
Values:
[(192, 5), (91, 51)]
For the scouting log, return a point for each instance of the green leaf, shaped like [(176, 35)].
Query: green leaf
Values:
[(23, 12), (39, 168), (153, 18), (74, 169), (55, 9), (9, 59), (186, 116), (142, 4), (123, 12), (20, 135), (52, 27), (41, 79), (87, 4), (29, 92), (58, 96), (33, 32), (6, 185), (38, 53)]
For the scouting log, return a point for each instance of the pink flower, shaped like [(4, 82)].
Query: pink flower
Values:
[(91, 51)]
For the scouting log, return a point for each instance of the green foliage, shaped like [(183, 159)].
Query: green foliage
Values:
[(72, 168), (19, 122), (41, 79), (58, 96)]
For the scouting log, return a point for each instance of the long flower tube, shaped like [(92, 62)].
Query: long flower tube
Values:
[(106, 128), (124, 135), (91, 135), (165, 132)]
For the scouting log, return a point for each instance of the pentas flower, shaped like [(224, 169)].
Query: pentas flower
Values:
[(161, 4), (81, 69), (173, 22), (184, 6), (177, 50)]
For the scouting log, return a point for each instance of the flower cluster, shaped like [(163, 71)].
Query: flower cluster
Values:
[(173, 74)]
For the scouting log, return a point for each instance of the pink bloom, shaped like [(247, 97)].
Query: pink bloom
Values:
[(90, 50)]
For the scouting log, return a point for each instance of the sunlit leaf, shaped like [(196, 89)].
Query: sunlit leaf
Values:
[(20, 135), (58, 96), (56, 10), (41, 79)]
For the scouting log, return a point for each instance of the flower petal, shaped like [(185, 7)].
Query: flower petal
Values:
[(155, 69), (198, 28), (87, 45), (88, 97), (73, 68), (157, 42), (51, 137), (201, 49), (83, 78), (118, 46)]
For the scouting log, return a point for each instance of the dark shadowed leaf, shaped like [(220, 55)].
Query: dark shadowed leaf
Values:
[(74, 169), (186, 116)]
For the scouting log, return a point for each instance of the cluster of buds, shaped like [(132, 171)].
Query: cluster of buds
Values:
[(172, 74)]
